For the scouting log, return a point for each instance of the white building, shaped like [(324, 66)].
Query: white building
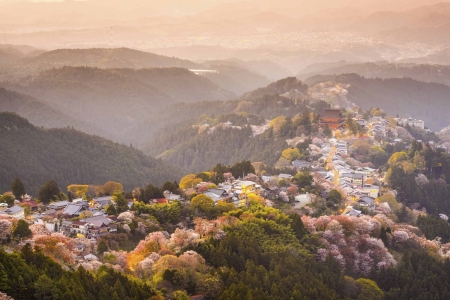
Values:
[(15, 212), (410, 122)]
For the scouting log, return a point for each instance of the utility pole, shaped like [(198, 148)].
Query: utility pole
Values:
[(111, 37)]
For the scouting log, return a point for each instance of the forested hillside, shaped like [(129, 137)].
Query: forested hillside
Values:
[(236, 79), (41, 114), (33, 275), (266, 68), (113, 100), (181, 84), (198, 144), (68, 156), (429, 102), (281, 86)]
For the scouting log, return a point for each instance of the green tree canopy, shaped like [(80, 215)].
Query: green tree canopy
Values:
[(49, 191), (17, 188), (202, 202), (369, 290), (121, 202), (7, 198), (22, 230)]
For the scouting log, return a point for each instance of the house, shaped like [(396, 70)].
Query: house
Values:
[(371, 190), (3, 206), (49, 212), (361, 122), (80, 228), (90, 257), (15, 212), (341, 147), (218, 195), (332, 117), (266, 178), (66, 227), (350, 211), (174, 197), (300, 164), (367, 202), (74, 210), (58, 205), (353, 178), (101, 202), (302, 200), (285, 176), (159, 201)]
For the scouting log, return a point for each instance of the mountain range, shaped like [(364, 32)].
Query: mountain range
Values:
[(420, 72)]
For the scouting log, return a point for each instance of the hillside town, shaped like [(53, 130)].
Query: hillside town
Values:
[(332, 166)]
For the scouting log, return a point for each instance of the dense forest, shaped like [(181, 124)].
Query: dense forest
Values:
[(397, 96), (33, 275), (36, 155)]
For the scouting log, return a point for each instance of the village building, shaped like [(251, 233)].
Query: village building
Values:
[(15, 212), (333, 118), (3, 206), (58, 205), (301, 164), (354, 178), (366, 201)]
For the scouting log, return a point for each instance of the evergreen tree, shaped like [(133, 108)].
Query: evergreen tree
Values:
[(17, 188), (111, 210), (22, 230), (297, 226), (48, 191), (102, 247), (120, 202)]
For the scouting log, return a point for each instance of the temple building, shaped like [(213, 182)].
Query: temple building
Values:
[(332, 117)]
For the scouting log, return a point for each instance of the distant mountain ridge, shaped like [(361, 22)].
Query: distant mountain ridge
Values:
[(420, 72), (114, 99), (68, 156), (95, 57)]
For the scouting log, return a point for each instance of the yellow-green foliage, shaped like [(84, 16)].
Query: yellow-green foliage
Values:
[(277, 123), (397, 157), (189, 181), (79, 190), (291, 154)]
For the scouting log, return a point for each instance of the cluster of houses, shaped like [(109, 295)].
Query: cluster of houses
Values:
[(59, 216)]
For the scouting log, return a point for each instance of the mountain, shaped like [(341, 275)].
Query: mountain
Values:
[(427, 24), (97, 57), (201, 138), (41, 114), (429, 102), (116, 101), (181, 84), (266, 68), (68, 156), (109, 100), (422, 72), (441, 57), (282, 86), (236, 79), (8, 55)]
